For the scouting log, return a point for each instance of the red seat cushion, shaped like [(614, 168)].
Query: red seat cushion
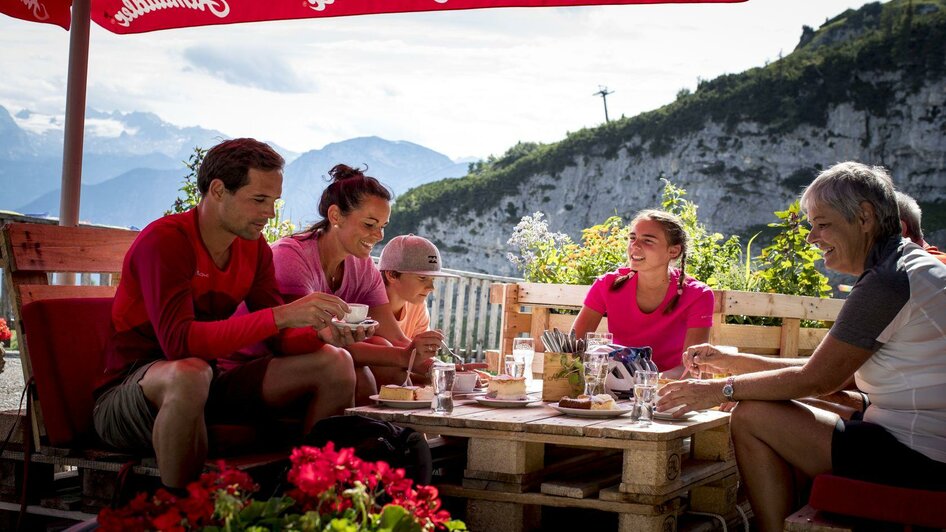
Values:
[(66, 341), (878, 502)]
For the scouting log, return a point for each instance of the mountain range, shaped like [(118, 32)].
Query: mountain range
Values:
[(133, 166), (869, 85)]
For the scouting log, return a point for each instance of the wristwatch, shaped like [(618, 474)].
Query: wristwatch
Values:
[(727, 389)]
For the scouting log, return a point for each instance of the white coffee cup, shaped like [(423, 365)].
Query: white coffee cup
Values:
[(357, 313)]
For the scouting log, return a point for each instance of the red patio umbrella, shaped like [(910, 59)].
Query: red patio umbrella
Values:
[(139, 16)]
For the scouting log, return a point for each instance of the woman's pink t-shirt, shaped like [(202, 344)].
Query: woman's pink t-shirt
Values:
[(664, 333), (299, 273)]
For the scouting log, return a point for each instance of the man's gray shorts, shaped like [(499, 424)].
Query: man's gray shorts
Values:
[(122, 415)]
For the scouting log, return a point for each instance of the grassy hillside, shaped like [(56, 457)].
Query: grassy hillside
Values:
[(837, 63)]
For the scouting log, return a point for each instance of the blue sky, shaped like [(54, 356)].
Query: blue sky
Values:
[(466, 83)]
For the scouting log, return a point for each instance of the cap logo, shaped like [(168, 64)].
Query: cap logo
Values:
[(431, 259)]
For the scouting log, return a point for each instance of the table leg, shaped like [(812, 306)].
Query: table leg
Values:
[(654, 470), (502, 466)]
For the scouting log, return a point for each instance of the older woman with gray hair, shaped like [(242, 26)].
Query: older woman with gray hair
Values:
[(890, 337)]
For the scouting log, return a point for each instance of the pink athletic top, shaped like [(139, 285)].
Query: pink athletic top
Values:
[(299, 273), (664, 333)]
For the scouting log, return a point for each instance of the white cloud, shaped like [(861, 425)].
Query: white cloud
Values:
[(466, 82)]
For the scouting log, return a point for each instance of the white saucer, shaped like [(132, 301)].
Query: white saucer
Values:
[(664, 416), (367, 323), (581, 412), (395, 403), (505, 403)]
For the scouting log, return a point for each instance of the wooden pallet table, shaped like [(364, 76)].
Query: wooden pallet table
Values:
[(642, 474)]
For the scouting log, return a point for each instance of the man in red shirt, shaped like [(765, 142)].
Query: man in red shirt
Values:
[(173, 316), (910, 216)]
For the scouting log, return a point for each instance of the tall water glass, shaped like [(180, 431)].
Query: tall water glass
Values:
[(523, 351), (595, 365), (593, 339), (644, 395), (513, 367), (442, 377)]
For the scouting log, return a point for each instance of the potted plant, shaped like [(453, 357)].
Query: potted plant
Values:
[(334, 491)]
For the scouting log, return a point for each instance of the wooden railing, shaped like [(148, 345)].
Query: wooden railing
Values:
[(461, 308)]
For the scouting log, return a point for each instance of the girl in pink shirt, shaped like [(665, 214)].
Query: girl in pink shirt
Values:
[(650, 303), (333, 256)]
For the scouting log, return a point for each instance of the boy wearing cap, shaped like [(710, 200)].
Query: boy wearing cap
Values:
[(408, 266)]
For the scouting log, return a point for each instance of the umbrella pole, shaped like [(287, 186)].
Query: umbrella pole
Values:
[(75, 114)]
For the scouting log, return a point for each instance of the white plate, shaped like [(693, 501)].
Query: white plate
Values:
[(467, 394), (394, 403), (505, 403), (367, 323), (581, 412), (664, 416)]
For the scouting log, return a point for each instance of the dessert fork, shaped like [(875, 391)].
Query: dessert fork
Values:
[(410, 364)]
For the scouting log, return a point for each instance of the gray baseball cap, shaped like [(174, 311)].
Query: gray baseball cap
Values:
[(412, 254)]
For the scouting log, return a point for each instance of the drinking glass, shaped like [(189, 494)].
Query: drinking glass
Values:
[(644, 395), (513, 367), (593, 339), (523, 351), (595, 366), (442, 377)]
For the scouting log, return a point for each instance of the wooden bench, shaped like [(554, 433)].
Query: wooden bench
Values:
[(530, 308), (62, 329)]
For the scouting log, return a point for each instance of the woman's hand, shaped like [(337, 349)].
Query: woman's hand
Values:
[(344, 336), (691, 394), (710, 359), (313, 310)]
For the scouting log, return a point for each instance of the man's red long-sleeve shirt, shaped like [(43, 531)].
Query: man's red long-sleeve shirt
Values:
[(173, 301)]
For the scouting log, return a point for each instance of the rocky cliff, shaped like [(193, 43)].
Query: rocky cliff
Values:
[(742, 146)]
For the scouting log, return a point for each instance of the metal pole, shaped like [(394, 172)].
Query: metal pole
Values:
[(604, 92), (75, 114)]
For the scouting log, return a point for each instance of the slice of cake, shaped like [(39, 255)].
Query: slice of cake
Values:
[(424, 394), (582, 402), (507, 388), (603, 401), (394, 392)]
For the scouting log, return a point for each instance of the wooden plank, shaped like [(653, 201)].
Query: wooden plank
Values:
[(460, 311), (40, 247), (581, 488), (479, 299), (808, 519), (494, 332), (552, 295), (780, 305), (497, 293), (694, 473), (447, 309), (756, 338), (604, 471), (788, 340), (513, 321), (38, 292), (437, 302), (540, 322), (452, 490)]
